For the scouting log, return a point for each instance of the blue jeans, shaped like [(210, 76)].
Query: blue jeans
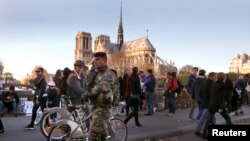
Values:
[(205, 119), (201, 109), (13, 106), (171, 102), (150, 100)]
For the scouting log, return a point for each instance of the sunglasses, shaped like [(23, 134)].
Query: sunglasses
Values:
[(37, 71)]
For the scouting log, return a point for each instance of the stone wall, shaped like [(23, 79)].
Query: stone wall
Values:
[(24, 95), (20, 93), (182, 100)]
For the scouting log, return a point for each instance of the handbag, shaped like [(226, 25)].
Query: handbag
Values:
[(134, 97)]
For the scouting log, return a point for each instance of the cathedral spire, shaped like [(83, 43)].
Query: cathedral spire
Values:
[(120, 31)]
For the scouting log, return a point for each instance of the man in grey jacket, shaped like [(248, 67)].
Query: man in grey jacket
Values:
[(76, 82)]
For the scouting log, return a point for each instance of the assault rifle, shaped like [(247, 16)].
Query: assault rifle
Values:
[(90, 82), (91, 79)]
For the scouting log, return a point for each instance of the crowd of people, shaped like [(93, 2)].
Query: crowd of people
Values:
[(103, 88), (216, 93)]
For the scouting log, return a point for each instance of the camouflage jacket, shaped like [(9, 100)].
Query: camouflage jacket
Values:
[(106, 89)]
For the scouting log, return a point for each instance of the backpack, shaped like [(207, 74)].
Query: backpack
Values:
[(180, 87)]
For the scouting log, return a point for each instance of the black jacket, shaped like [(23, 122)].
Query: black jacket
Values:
[(53, 98), (217, 93), (40, 84), (196, 88), (10, 97), (205, 92), (135, 85)]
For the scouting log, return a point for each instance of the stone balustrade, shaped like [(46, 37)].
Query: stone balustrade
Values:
[(24, 95)]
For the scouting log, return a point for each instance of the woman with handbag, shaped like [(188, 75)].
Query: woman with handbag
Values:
[(135, 92)]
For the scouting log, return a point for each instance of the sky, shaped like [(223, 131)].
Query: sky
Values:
[(203, 33)]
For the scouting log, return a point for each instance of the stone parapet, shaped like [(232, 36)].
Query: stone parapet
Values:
[(24, 95), (182, 100)]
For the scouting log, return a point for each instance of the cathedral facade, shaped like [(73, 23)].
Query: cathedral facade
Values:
[(240, 64), (121, 55)]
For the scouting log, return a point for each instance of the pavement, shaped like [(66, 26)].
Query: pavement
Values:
[(158, 125), (161, 125)]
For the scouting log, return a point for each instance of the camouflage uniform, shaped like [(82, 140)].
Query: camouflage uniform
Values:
[(104, 94)]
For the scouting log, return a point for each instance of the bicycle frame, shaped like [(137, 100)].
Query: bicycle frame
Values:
[(78, 129)]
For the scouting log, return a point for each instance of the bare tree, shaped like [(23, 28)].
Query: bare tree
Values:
[(8, 77), (1, 69)]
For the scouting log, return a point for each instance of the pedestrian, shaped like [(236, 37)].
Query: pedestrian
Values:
[(217, 99), (246, 92), (196, 90), (10, 100), (1, 126), (190, 80), (126, 79), (77, 83), (240, 88), (120, 79), (1, 105), (247, 88), (101, 96), (171, 87), (201, 128), (52, 97), (229, 87), (38, 100), (135, 92), (63, 87), (149, 85), (143, 103), (165, 93)]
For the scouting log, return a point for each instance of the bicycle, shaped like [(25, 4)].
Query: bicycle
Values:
[(61, 112), (68, 130)]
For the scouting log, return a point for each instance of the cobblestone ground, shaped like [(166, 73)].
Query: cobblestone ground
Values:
[(191, 136)]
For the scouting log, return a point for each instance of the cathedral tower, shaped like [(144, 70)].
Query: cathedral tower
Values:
[(83, 49), (120, 39)]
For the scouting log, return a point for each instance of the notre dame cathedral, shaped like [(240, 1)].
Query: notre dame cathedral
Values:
[(139, 52)]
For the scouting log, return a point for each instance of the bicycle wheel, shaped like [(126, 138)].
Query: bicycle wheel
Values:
[(119, 129), (47, 121), (59, 133), (67, 132)]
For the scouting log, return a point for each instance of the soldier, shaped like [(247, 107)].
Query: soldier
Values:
[(103, 95)]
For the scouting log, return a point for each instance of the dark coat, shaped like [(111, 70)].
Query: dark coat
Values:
[(121, 82), (191, 79), (40, 84), (217, 93), (53, 97), (196, 88), (10, 97), (76, 87), (205, 92), (126, 79), (135, 85)]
